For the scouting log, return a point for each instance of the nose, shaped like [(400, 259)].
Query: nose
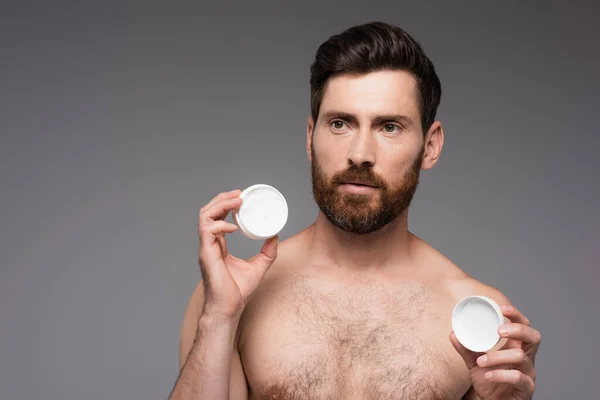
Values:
[(362, 150)]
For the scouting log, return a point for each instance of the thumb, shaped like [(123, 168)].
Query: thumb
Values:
[(267, 255), (470, 357)]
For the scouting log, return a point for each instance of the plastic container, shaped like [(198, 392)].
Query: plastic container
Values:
[(263, 213), (475, 321)]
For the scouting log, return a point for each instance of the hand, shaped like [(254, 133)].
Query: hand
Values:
[(507, 373), (228, 280)]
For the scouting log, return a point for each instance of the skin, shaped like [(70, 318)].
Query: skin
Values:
[(251, 325)]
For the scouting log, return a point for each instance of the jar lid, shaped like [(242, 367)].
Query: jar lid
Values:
[(475, 322), (263, 213)]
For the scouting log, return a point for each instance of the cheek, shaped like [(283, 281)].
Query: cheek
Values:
[(330, 153), (401, 153), (395, 167)]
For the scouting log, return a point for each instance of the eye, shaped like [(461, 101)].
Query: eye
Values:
[(392, 128), (337, 124)]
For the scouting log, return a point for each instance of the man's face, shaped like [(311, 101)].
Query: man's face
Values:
[(366, 149)]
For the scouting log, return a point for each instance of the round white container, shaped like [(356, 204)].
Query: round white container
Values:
[(263, 213), (475, 322)]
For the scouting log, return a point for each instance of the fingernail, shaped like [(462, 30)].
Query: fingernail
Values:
[(504, 329), (482, 361), (508, 308), (489, 375)]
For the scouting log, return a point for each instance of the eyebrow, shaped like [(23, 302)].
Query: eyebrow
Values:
[(376, 120)]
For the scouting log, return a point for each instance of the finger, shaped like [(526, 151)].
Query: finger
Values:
[(222, 196), (470, 357), (209, 231), (220, 209), (267, 255), (514, 315), (520, 332), (513, 357), (208, 238), (519, 380)]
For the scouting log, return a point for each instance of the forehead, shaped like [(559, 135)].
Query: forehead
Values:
[(380, 92)]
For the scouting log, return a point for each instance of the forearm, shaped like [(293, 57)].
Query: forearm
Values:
[(207, 370)]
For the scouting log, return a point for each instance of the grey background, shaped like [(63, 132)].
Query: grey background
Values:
[(119, 120)]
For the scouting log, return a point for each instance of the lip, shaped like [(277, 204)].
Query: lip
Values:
[(358, 183), (357, 188)]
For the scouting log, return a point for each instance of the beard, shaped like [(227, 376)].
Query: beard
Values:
[(357, 213)]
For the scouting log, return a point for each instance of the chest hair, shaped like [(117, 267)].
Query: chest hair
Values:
[(358, 340)]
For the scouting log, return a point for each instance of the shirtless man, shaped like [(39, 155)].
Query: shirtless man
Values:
[(355, 306)]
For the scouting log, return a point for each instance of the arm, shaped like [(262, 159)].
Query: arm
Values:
[(210, 364), (212, 367)]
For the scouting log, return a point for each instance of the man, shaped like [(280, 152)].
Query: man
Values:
[(355, 306)]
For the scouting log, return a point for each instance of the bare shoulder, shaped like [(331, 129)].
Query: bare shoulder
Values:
[(456, 281), (289, 255), (460, 284), (190, 322), (468, 286)]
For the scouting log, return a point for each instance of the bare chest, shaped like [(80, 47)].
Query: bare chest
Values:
[(362, 340)]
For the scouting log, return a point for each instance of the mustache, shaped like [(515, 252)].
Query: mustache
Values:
[(362, 175)]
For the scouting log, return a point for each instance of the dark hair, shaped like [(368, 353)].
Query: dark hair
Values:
[(376, 46)]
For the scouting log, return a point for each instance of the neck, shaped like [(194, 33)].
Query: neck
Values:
[(386, 247)]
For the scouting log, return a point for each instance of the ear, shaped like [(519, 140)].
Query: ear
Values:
[(310, 126), (434, 141)]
